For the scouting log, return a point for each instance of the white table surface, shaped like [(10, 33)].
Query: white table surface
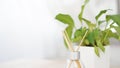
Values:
[(37, 64), (34, 64)]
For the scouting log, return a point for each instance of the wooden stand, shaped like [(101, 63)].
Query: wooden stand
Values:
[(69, 43)]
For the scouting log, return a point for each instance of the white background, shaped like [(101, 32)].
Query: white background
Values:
[(28, 30)]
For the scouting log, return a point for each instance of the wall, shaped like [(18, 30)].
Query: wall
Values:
[(118, 6), (28, 31)]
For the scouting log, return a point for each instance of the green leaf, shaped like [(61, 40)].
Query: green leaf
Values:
[(86, 42), (96, 51), (66, 19), (77, 39), (81, 13), (99, 44), (90, 37), (90, 25), (104, 37), (113, 35), (69, 31), (100, 14), (82, 10), (79, 33), (115, 18), (96, 33)]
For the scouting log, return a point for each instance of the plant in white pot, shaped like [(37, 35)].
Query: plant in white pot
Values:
[(94, 51)]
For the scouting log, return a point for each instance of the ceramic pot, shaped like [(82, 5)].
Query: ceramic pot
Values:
[(91, 60)]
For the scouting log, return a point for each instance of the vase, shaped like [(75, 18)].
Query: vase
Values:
[(74, 60)]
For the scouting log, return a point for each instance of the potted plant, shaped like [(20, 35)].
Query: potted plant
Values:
[(96, 40)]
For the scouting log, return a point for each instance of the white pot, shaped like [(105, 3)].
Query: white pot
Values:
[(90, 60)]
